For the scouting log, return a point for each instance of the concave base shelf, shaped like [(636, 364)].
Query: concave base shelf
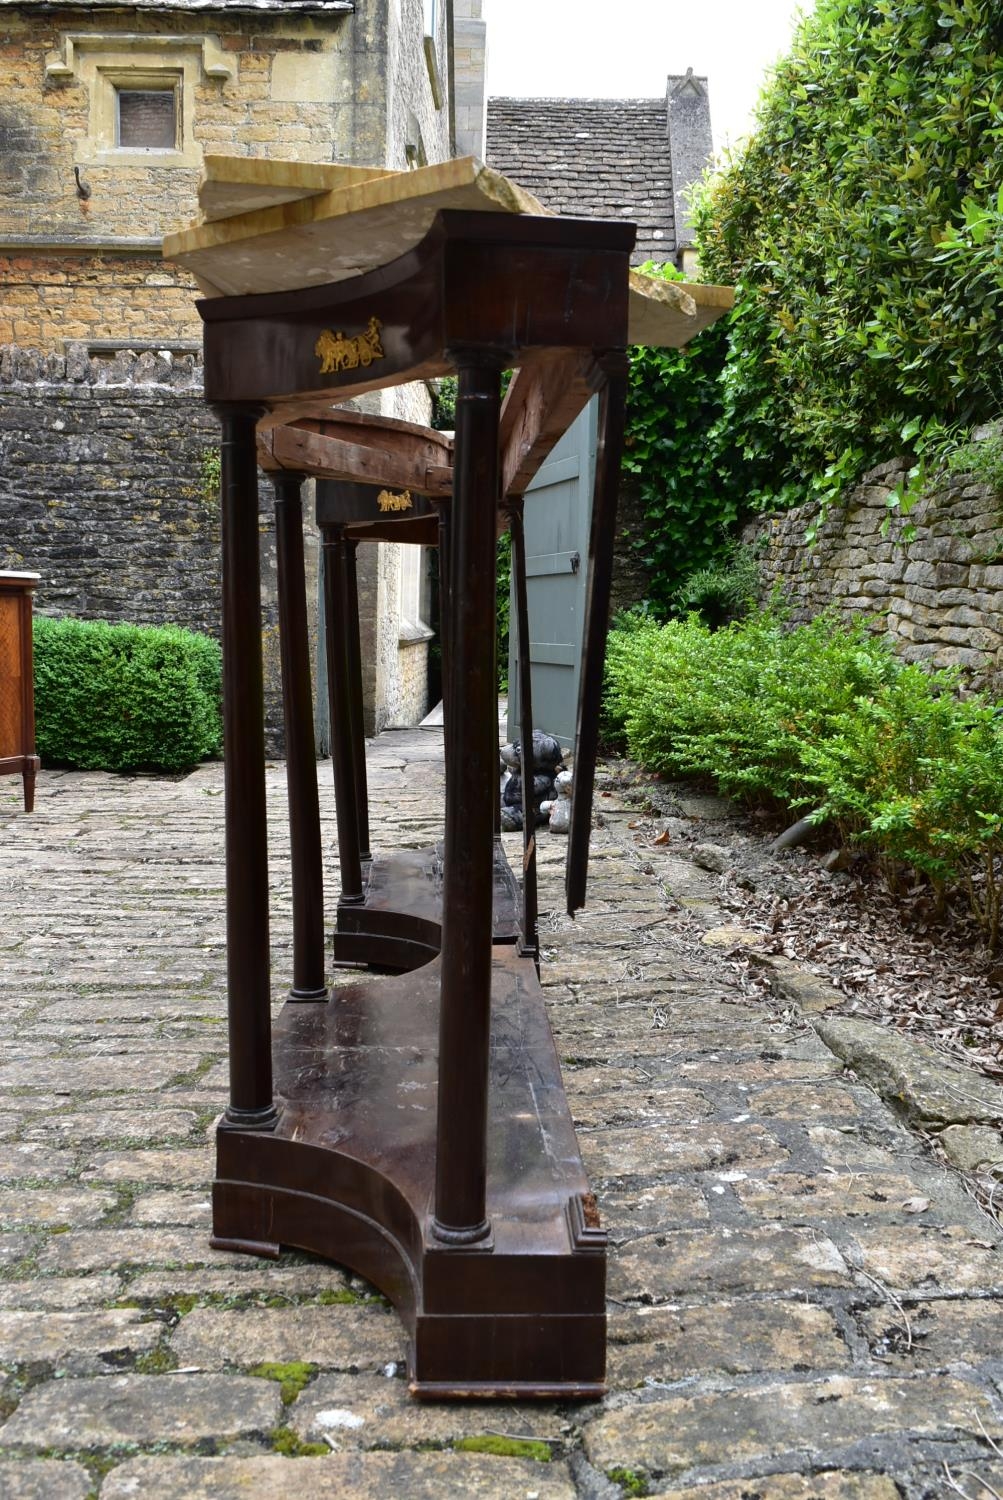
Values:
[(349, 1173), (399, 923)]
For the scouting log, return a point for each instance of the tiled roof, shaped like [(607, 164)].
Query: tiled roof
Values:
[(597, 158)]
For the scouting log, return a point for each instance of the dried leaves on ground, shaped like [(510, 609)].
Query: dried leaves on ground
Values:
[(876, 935)]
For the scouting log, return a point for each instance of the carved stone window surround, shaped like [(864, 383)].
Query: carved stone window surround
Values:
[(107, 62)]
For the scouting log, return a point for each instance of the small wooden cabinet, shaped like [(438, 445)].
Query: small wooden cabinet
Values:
[(17, 688)]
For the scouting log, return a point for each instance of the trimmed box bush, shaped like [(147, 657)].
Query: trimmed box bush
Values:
[(125, 697), (823, 717)]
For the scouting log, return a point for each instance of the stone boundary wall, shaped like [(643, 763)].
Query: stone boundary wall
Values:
[(103, 488), (936, 595), (106, 491)]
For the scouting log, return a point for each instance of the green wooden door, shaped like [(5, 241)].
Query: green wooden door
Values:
[(557, 516)]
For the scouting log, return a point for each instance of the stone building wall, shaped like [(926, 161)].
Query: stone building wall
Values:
[(469, 69), (49, 300), (935, 595), (83, 262), (631, 582)]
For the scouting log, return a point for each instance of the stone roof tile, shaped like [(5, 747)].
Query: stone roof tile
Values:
[(598, 158)]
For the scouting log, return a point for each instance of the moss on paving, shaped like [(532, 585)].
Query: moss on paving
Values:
[(286, 1442), (505, 1447), (292, 1377), (629, 1480)]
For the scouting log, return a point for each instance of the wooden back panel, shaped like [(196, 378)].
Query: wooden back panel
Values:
[(11, 684)]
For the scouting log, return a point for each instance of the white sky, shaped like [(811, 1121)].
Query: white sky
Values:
[(609, 49)]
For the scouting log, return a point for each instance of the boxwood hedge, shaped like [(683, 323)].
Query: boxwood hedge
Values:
[(125, 697)]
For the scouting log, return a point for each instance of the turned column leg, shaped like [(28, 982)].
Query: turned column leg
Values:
[(355, 694), (471, 746), (339, 688), (28, 776), (529, 941), (301, 755), (251, 1105), (444, 507), (612, 405)]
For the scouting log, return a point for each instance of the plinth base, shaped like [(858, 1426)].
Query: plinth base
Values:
[(349, 1173), (398, 925)]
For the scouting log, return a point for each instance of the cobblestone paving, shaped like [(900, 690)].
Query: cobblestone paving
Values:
[(803, 1305)]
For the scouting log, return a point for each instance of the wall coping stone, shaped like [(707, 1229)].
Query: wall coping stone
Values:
[(77, 367)]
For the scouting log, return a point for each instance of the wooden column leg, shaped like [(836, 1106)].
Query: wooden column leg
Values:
[(529, 939), (471, 745), (301, 754), (613, 400), (27, 783), (28, 776), (251, 1105), (445, 508), (339, 689), (355, 685)]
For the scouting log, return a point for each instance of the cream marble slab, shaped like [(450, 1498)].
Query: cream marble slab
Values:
[(242, 184), (667, 314), (302, 224), (337, 234)]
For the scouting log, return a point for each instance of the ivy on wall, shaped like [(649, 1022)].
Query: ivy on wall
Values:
[(879, 138), (862, 227), (697, 449)]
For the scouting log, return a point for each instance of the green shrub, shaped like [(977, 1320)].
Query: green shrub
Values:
[(737, 704), (822, 717), (125, 697), (917, 773), (725, 589)]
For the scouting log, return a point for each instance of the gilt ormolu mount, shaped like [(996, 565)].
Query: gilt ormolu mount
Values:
[(411, 1126)]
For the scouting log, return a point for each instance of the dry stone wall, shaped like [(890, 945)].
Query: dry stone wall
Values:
[(107, 489), (102, 485), (936, 595)]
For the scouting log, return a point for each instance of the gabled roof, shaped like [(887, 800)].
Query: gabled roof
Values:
[(599, 158)]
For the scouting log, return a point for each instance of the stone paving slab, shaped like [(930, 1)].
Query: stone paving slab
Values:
[(336, 1337), (147, 1409), (44, 1479), (75, 1341), (350, 1412), (823, 1419), (830, 1486), (804, 1302), (659, 1344), (424, 1476)]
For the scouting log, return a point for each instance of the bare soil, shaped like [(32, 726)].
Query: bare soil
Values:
[(874, 934)]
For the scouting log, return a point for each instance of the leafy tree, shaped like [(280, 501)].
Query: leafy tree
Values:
[(862, 227), (843, 222)]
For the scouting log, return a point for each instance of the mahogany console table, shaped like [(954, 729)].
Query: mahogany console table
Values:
[(17, 688), (411, 1126)]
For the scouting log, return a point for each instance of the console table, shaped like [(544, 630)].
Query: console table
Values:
[(411, 1126)]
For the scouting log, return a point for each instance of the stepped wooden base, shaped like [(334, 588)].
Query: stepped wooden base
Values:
[(399, 923), (349, 1173)]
